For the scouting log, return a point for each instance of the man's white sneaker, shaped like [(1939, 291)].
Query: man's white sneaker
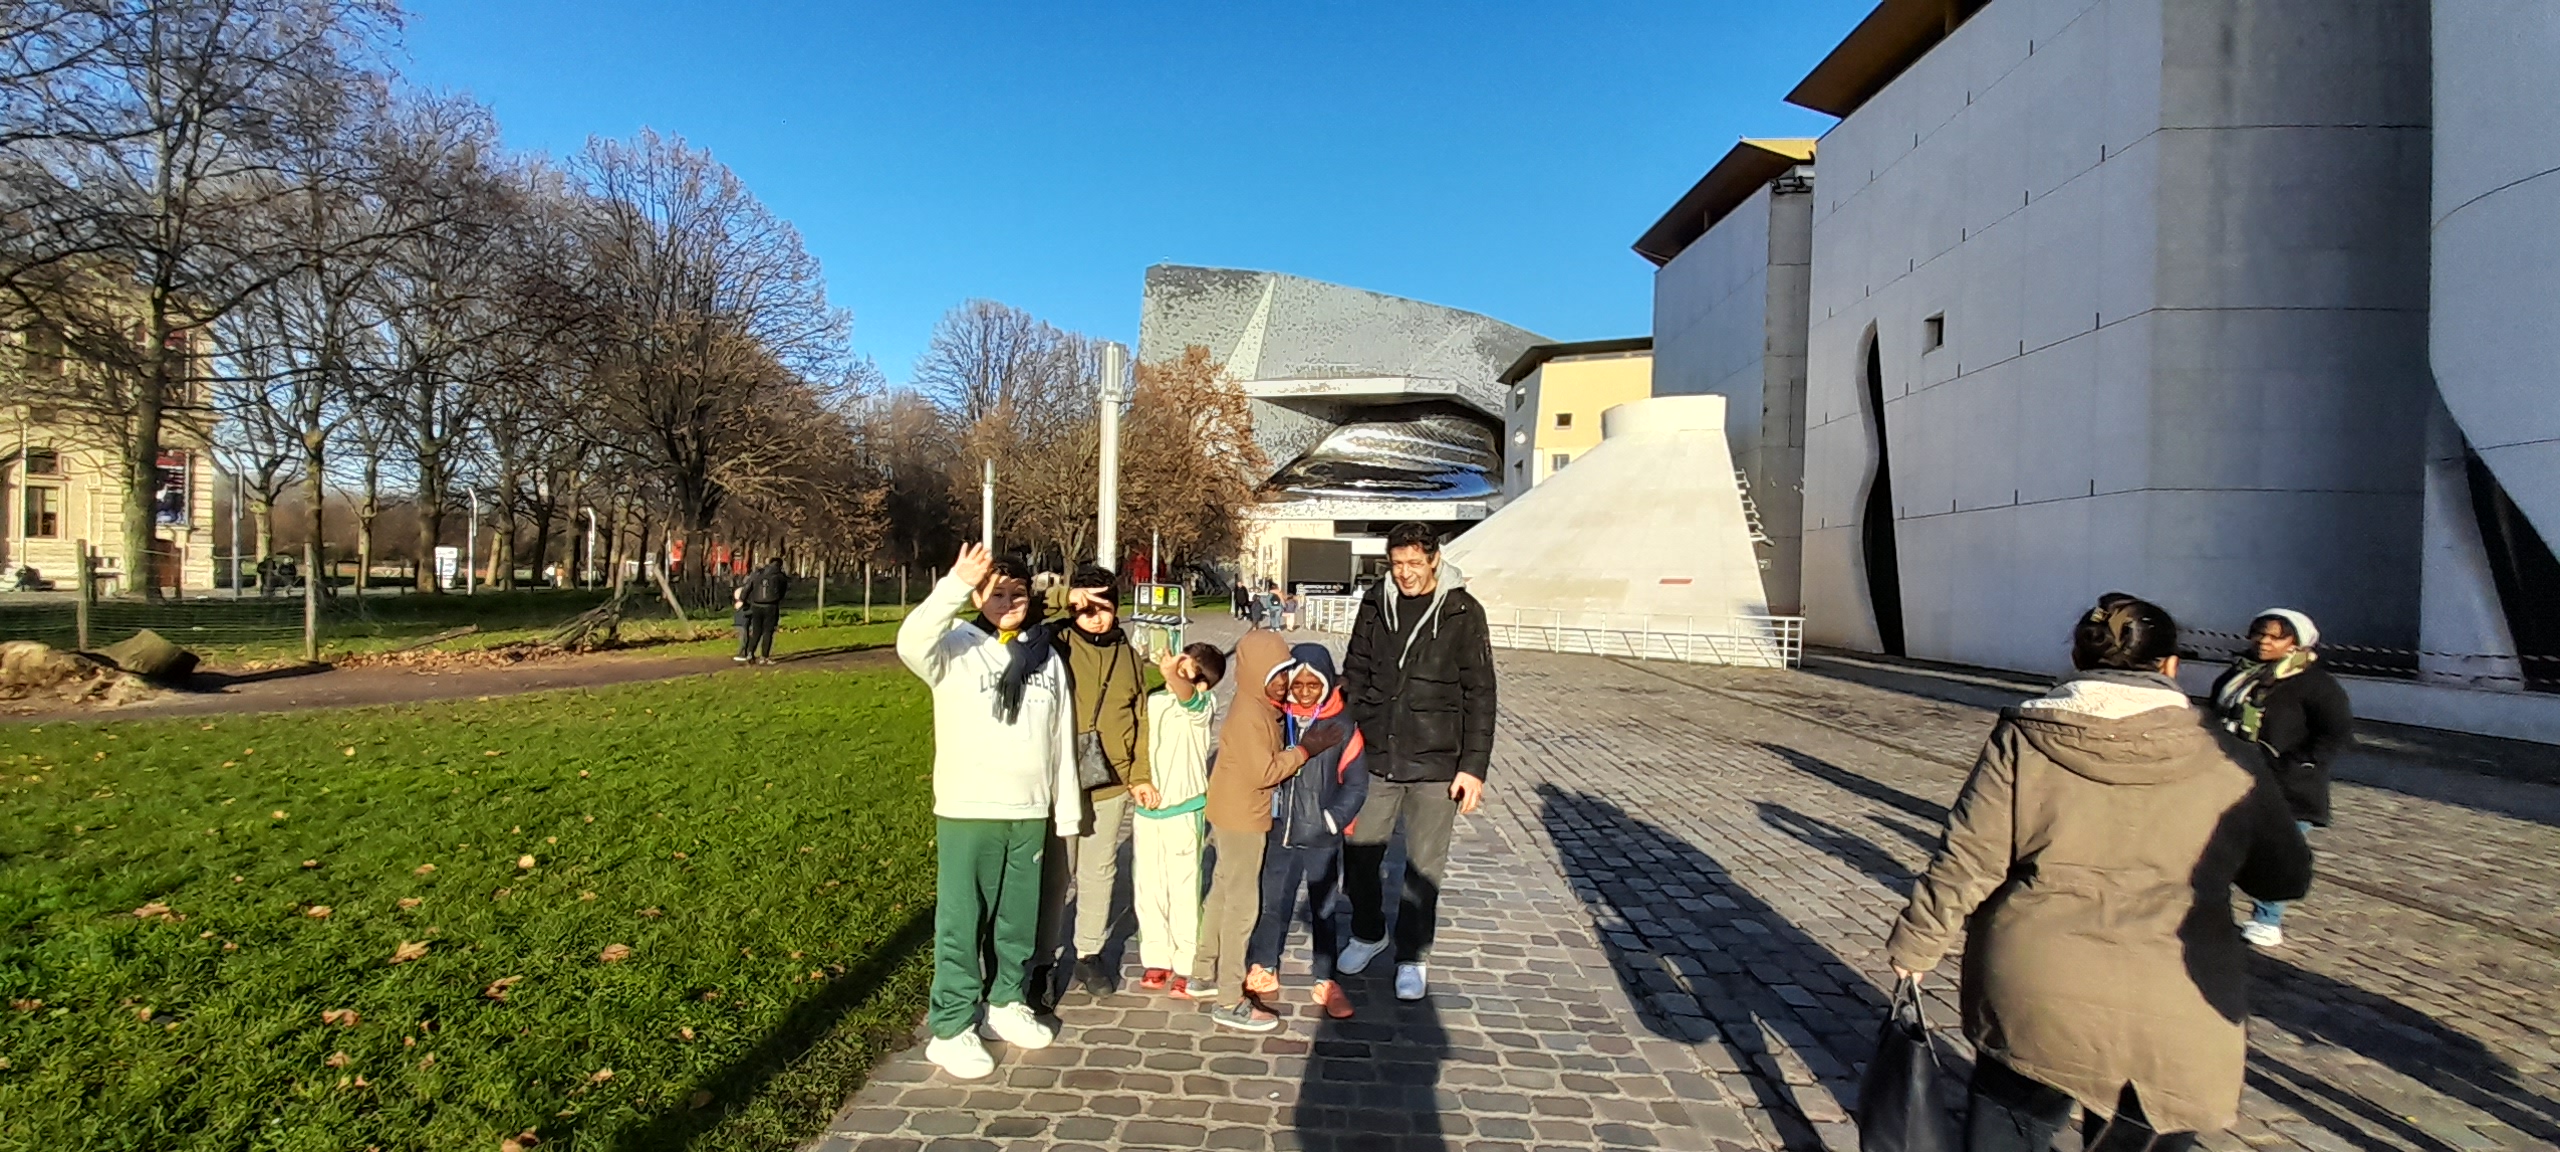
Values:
[(1357, 954), (961, 1057), (1413, 982), (1014, 1024), (2262, 935)]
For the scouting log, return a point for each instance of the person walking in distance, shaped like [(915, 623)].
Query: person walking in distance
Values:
[(1170, 834), (1111, 725), (2278, 697), (1419, 678), (1003, 772), (764, 592), (2089, 861)]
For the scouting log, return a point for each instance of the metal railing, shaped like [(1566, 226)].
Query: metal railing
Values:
[(1328, 613), (1741, 641)]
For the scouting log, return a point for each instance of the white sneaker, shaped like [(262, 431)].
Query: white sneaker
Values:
[(1014, 1024), (1413, 981), (2262, 935), (1357, 954), (961, 1057)]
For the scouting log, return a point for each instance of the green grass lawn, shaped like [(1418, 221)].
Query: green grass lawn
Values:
[(762, 845)]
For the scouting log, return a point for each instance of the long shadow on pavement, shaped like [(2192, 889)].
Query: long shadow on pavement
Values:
[(1700, 956), (1372, 1083)]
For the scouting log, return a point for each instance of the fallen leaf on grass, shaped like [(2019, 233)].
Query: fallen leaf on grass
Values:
[(518, 1142), (26, 1005), (651, 913), (685, 1034), (497, 989), (525, 861), (702, 1099), (614, 953), (230, 763), (154, 910), (601, 1075), (409, 902), (408, 950), (342, 1017), (422, 869), (318, 911), (589, 819), (278, 814), (582, 773), (680, 855), (349, 751), (586, 896), (337, 1060), (550, 839), (310, 863), (230, 945), (492, 751), (427, 1063)]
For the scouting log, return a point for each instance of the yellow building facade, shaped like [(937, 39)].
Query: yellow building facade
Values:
[(62, 481), (1557, 393)]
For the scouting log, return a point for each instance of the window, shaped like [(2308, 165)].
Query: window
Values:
[(1564, 419), (43, 462), (1557, 462), (41, 352), (44, 512), (1933, 333)]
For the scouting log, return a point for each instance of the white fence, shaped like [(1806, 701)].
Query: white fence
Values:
[(1741, 641)]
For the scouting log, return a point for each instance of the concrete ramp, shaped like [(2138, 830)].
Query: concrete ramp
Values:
[(1641, 548)]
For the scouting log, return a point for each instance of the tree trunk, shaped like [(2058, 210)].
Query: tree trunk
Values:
[(365, 514), (262, 520), (430, 508)]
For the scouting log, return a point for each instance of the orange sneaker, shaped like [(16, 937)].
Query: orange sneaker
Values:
[(1261, 981), (1329, 996)]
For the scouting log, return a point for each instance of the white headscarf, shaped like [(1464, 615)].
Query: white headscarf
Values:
[(2305, 632)]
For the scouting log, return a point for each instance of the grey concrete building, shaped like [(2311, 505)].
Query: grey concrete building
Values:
[(1372, 409), (2116, 294), (1734, 260), (2492, 588)]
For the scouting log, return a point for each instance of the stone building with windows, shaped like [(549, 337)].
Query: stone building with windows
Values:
[(63, 480), (1557, 393)]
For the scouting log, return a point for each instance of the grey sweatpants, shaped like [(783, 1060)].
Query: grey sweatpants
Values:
[(1085, 868), (1226, 923), (1428, 814)]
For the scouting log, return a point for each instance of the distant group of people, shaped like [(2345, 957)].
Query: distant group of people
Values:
[(2090, 859), (1267, 606), (1050, 754)]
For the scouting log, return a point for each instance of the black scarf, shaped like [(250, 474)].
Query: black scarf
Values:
[(1024, 657)]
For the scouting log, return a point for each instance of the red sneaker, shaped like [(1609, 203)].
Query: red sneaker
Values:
[(1154, 980)]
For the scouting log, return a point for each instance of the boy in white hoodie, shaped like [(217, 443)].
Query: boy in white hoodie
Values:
[(1004, 765)]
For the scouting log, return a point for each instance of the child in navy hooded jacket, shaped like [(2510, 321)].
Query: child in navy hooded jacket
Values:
[(1309, 816)]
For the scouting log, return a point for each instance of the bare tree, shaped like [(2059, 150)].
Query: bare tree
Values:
[(711, 314), (138, 210), (1191, 465)]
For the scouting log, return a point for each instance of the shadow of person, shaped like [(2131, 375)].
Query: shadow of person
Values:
[(1840, 844), (1701, 957), (1372, 1083)]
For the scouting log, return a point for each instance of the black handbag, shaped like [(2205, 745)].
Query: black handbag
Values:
[(1901, 1107), (1093, 768)]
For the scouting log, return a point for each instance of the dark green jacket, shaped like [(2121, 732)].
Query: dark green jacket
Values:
[(1111, 698)]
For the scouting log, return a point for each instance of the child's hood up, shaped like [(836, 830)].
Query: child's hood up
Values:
[(1318, 659)]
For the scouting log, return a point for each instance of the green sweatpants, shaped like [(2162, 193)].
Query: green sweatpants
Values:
[(986, 913)]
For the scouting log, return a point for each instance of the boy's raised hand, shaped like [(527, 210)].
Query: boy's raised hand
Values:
[(973, 565)]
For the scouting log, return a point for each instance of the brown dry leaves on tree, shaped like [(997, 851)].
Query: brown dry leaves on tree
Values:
[(1189, 462)]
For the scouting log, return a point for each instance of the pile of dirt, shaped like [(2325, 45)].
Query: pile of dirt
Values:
[(31, 670)]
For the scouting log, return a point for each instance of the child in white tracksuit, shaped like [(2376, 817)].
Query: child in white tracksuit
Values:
[(1004, 766), (1168, 836)]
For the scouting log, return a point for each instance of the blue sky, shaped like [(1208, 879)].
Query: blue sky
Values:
[(1497, 157)]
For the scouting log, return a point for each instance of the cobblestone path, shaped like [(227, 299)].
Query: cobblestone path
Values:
[(1665, 930)]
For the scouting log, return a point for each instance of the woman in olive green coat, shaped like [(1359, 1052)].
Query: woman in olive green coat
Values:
[(2092, 855)]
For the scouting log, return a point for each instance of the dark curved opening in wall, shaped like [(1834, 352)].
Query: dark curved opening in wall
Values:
[(1875, 522), (2527, 575)]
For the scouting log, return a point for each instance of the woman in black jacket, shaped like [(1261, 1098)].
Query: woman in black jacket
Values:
[(2280, 697)]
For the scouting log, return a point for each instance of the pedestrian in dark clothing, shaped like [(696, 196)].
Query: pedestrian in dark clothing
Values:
[(1310, 814), (1418, 675), (762, 594), (2088, 862), (2277, 696)]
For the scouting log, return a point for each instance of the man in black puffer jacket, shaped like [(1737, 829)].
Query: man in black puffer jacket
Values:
[(1419, 677)]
